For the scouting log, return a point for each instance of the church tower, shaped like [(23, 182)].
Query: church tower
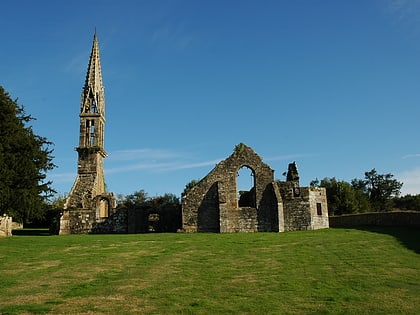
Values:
[(89, 191)]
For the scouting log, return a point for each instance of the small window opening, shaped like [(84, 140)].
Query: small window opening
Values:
[(94, 109), (318, 208), (92, 134)]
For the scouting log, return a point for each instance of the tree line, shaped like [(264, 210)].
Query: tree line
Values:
[(27, 196), (374, 193)]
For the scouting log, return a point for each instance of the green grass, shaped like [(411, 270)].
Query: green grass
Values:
[(335, 271)]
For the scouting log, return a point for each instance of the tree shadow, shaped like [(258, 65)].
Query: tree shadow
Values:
[(408, 236), (32, 232)]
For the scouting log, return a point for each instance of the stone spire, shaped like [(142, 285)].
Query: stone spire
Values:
[(89, 190), (92, 106), (93, 99)]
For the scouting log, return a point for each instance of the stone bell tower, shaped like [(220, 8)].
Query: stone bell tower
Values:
[(89, 191)]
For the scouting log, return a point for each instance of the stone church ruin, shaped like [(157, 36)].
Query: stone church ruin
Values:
[(213, 205)]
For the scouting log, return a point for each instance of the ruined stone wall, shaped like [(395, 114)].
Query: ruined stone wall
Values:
[(397, 218), (212, 205), (6, 226), (85, 221), (296, 213), (319, 207), (200, 208), (123, 220), (270, 213), (89, 182), (301, 206), (243, 219)]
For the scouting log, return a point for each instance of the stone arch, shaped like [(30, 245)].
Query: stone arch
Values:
[(103, 206), (246, 197)]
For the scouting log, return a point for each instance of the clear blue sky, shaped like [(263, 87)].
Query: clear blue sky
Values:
[(332, 85)]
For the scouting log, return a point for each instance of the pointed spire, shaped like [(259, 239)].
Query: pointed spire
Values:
[(93, 90), (94, 74)]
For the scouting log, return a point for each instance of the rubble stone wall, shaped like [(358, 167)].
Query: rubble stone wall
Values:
[(6, 225), (397, 218), (212, 205), (85, 221), (274, 206)]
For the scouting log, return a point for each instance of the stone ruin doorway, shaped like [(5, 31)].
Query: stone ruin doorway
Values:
[(103, 206), (245, 187)]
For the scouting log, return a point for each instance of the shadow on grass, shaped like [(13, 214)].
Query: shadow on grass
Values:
[(407, 236), (31, 232)]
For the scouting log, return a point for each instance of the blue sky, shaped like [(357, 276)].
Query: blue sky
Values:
[(332, 85)]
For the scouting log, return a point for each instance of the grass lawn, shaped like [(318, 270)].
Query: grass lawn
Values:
[(335, 271)]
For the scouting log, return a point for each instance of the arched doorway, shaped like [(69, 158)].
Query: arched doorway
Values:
[(245, 187), (103, 208)]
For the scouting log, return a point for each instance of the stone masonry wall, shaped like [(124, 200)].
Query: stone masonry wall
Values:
[(212, 205), (398, 218), (89, 182), (296, 206), (300, 207), (6, 226), (318, 198), (85, 221)]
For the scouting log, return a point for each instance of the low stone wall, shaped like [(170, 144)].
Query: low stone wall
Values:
[(400, 218), (84, 221), (6, 226)]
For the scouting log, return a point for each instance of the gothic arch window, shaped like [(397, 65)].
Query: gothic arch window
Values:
[(245, 187)]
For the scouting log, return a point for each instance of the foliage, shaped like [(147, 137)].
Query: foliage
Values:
[(381, 188), (24, 160), (135, 199), (334, 271), (343, 198), (189, 186), (375, 192), (160, 213), (407, 202), (239, 148)]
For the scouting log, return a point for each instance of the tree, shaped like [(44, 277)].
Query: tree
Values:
[(342, 197), (189, 186), (24, 160), (381, 189), (407, 202), (158, 214), (135, 199)]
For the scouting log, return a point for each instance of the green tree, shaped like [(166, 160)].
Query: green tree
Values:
[(162, 213), (189, 186), (342, 197), (133, 200), (407, 202), (381, 189), (160, 201), (24, 160)]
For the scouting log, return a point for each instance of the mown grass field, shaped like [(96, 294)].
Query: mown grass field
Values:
[(335, 271)]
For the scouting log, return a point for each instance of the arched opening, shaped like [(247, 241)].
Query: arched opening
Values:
[(103, 208), (245, 186)]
